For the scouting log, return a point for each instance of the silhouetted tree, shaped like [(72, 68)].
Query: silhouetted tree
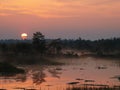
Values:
[(39, 43), (55, 46)]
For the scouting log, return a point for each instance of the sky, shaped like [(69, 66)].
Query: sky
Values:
[(70, 19)]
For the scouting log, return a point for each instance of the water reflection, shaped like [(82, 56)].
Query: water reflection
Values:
[(87, 72), (21, 78), (38, 77), (55, 72)]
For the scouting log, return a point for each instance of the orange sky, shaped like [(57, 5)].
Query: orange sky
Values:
[(90, 19)]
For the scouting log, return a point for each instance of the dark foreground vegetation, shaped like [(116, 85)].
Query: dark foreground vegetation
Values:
[(41, 49), (9, 70)]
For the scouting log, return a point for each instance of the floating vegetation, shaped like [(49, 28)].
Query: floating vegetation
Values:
[(30, 89), (79, 79), (73, 83), (49, 85), (89, 80), (81, 68), (101, 67)]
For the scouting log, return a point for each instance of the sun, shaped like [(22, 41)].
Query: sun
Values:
[(24, 36)]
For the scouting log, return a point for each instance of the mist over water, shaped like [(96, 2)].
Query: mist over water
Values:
[(85, 71)]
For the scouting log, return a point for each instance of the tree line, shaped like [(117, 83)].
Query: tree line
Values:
[(100, 47), (40, 45)]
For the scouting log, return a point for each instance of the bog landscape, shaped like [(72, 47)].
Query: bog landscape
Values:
[(59, 45)]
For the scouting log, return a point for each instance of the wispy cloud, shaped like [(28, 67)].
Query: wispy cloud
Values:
[(4, 14), (104, 2), (58, 8)]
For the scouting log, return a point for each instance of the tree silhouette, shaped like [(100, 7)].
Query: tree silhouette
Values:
[(39, 43), (55, 46)]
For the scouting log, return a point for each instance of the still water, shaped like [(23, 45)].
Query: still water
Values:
[(84, 71)]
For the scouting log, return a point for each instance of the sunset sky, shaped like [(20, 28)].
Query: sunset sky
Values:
[(89, 19)]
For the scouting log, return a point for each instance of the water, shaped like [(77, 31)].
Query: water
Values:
[(85, 71)]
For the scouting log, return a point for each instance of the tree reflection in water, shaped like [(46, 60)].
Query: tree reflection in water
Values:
[(21, 78), (16, 78), (38, 78), (54, 72)]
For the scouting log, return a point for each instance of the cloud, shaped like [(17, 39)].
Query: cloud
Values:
[(4, 14), (58, 8), (67, 0), (103, 2)]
